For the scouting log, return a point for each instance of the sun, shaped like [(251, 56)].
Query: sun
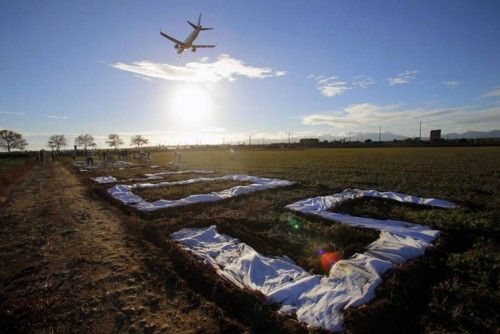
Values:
[(191, 105)]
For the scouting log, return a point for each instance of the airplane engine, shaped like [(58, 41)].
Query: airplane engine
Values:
[(176, 46), (193, 49)]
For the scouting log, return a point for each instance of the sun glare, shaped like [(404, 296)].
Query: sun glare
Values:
[(191, 105)]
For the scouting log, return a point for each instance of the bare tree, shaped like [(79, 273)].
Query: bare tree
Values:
[(86, 141), (114, 140), (56, 142), (139, 140), (10, 139)]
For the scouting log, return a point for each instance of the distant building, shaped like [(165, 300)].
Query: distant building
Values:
[(309, 141), (435, 135)]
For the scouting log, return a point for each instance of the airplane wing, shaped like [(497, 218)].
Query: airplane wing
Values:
[(171, 38), (203, 46)]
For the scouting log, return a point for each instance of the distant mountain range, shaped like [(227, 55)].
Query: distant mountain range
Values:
[(385, 136), (473, 134), (362, 136), (389, 136)]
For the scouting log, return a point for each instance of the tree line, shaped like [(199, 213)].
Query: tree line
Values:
[(10, 140)]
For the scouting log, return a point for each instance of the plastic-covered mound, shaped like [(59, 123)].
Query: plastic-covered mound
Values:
[(104, 179), (124, 193), (317, 300), (323, 203), (149, 177)]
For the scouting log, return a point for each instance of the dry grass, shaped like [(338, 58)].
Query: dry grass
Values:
[(11, 171), (181, 191), (454, 287), (123, 173)]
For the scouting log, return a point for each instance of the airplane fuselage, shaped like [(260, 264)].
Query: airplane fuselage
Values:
[(188, 42)]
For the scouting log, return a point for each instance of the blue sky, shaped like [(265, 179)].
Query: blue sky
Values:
[(312, 67)]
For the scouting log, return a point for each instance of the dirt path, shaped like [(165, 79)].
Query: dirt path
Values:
[(67, 265)]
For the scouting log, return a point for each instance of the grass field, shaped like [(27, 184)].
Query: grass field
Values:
[(453, 288)]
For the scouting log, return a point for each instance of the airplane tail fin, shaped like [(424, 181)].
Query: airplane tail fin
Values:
[(198, 27)]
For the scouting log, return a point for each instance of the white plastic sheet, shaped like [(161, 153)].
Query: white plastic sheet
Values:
[(104, 179), (317, 300), (124, 193), (150, 176)]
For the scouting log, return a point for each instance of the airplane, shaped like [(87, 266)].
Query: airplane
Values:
[(188, 43)]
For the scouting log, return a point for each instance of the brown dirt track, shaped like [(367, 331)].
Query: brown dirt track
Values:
[(69, 265)]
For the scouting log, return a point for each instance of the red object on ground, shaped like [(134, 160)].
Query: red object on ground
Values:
[(328, 259)]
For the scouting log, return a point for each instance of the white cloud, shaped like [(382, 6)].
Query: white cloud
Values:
[(213, 129), (365, 116), (11, 113), (363, 81), (224, 68), (56, 117), (403, 78), (333, 86), (494, 93), (143, 78), (451, 83)]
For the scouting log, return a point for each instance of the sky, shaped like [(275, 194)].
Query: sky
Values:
[(312, 68)]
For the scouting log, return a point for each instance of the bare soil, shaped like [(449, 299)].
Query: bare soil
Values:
[(68, 264)]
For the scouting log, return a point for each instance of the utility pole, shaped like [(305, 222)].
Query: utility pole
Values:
[(379, 134), (250, 140), (289, 137), (420, 131)]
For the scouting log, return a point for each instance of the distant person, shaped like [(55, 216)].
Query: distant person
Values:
[(41, 157), (178, 158), (90, 160), (142, 156)]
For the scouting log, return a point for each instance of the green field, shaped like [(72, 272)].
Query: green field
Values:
[(453, 288)]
